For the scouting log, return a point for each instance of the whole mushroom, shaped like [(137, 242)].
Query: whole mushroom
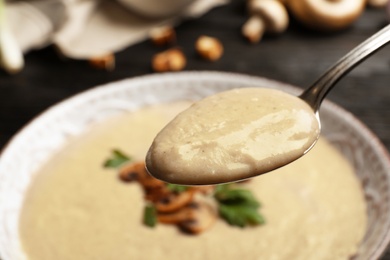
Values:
[(327, 15), (265, 16), (377, 3)]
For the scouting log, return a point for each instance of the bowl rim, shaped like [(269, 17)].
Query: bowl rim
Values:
[(79, 98)]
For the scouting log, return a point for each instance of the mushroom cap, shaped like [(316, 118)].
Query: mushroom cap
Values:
[(273, 13), (328, 15), (377, 3)]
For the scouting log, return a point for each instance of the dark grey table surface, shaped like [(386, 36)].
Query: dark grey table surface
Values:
[(297, 57)]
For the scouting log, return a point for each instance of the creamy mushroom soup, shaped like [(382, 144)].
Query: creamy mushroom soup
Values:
[(233, 135), (76, 209)]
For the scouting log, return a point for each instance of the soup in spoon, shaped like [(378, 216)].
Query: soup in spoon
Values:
[(233, 135)]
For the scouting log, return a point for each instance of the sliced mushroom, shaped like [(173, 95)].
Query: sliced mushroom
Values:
[(194, 218), (327, 15), (138, 172), (173, 207), (173, 201), (156, 193), (132, 172), (177, 217), (149, 182), (204, 218)]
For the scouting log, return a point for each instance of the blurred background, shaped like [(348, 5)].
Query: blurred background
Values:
[(51, 50)]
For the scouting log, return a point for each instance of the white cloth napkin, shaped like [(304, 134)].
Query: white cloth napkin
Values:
[(87, 28)]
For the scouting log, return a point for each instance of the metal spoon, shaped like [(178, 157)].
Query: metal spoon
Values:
[(316, 93), (186, 151)]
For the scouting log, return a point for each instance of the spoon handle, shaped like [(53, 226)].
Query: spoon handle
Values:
[(317, 92)]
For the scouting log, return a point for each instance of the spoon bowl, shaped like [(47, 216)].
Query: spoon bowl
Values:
[(235, 134)]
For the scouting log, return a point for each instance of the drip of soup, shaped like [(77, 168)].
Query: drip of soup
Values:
[(76, 209), (233, 135)]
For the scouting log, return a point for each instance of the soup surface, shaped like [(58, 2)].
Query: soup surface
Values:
[(76, 209), (233, 135)]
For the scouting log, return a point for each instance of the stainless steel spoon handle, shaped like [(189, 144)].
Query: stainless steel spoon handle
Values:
[(317, 92)]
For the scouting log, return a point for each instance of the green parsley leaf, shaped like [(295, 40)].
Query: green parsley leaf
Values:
[(238, 206), (240, 215), (117, 159), (150, 215), (176, 188)]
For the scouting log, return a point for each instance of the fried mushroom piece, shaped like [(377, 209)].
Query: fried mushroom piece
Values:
[(137, 172), (194, 218), (174, 201), (132, 172), (178, 208), (179, 216), (204, 218)]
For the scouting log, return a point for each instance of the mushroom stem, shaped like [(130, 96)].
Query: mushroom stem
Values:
[(204, 217), (193, 219), (253, 30)]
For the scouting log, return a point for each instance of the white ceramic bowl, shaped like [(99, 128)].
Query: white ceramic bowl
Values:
[(46, 134)]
